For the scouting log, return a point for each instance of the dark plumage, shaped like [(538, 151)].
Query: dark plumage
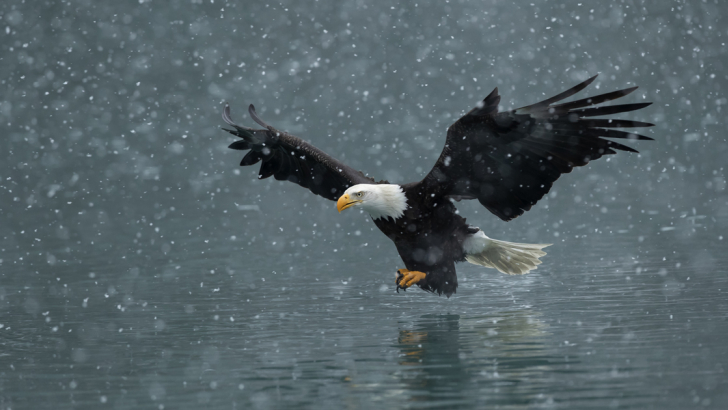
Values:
[(507, 160), (288, 158)]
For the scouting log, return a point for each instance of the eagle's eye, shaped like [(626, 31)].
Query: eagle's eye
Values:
[(359, 194)]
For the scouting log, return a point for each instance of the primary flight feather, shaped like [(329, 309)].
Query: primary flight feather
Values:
[(506, 160)]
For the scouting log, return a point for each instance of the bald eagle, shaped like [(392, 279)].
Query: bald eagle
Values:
[(506, 160)]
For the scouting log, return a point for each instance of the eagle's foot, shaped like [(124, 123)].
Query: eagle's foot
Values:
[(407, 278)]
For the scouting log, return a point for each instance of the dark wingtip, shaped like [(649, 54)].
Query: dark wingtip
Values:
[(629, 90), (226, 115), (493, 98), (640, 137), (542, 105), (488, 106), (240, 145), (621, 147), (254, 116)]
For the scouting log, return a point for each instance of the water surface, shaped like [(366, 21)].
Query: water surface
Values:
[(232, 325)]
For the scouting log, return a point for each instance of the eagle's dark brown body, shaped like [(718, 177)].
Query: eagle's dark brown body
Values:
[(429, 238)]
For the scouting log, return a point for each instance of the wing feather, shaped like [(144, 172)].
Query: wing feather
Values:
[(612, 109), (251, 158), (597, 99), (510, 160), (540, 106), (288, 158), (241, 145), (270, 166)]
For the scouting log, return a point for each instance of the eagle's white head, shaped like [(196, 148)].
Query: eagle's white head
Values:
[(381, 201)]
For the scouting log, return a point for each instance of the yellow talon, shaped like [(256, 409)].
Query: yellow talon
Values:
[(407, 278)]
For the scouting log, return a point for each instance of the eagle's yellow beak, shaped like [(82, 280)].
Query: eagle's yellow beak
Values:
[(345, 202)]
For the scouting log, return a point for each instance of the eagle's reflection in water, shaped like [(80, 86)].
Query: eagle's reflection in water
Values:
[(499, 358)]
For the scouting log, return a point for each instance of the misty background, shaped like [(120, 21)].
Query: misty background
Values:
[(140, 265)]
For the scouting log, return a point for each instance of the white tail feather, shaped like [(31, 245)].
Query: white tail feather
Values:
[(508, 257)]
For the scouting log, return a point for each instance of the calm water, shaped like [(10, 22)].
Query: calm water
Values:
[(219, 323)]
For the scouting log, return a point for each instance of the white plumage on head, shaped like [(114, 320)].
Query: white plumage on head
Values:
[(380, 200)]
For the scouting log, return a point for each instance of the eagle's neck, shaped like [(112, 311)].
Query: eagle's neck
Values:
[(389, 201)]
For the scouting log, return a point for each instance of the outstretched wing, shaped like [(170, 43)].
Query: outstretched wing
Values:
[(288, 158), (509, 160)]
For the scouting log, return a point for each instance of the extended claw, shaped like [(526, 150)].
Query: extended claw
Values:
[(400, 275), (406, 278)]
